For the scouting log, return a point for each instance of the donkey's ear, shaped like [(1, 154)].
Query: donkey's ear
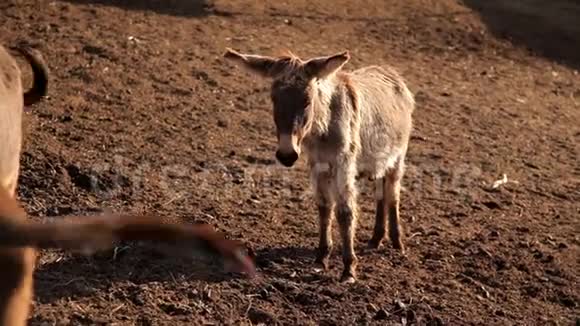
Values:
[(324, 66), (262, 65)]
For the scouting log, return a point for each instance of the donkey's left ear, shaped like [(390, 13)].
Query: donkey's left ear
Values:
[(324, 66), (259, 64)]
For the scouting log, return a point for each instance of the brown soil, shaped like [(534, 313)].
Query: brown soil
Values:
[(144, 114)]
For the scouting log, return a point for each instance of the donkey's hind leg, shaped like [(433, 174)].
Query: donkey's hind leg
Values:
[(381, 213), (392, 196)]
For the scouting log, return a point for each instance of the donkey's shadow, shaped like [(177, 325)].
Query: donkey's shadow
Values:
[(294, 256), (181, 8), (284, 261), (82, 276), (291, 263)]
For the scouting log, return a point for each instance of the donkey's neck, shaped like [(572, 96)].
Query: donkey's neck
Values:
[(324, 90)]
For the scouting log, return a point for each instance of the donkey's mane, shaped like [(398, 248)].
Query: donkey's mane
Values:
[(290, 62)]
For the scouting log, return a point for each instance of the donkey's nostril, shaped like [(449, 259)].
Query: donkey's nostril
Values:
[(287, 159)]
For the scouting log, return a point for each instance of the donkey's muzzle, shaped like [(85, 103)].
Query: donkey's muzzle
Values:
[(287, 159)]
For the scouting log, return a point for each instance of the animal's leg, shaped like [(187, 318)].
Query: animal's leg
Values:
[(346, 214), (17, 288), (19, 264), (322, 182), (9, 184), (381, 213), (14, 186), (392, 198)]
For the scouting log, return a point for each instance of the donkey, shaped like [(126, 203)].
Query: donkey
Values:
[(348, 124), (20, 238)]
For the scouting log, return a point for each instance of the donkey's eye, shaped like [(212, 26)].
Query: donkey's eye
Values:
[(300, 121)]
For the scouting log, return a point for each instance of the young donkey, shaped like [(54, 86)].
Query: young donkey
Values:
[(348, 124), (19, 237)]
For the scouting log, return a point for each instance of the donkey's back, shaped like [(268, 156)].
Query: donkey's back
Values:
[(385, 106), (11, 103)]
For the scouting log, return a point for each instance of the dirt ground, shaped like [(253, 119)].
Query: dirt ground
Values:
[(145, 115)]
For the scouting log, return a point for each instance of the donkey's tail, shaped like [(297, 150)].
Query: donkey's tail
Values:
[(90, 234), (40, 71)]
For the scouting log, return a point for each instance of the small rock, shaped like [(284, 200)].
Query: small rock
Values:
[(284, 286), (222, 123), (96, 50), (491, 204), (264, 294), (435, 321), (145, 321), (400, 305), (138, 301), (381, 314), (259, 316), (494, 234), (568, 302), (210, 295), (522, 229), (501, 264), (327, 322), (433, 233), (252, 201), (562, 245), (419, 229), (307, 299), (337, 294), (411, 316), (371, 308), (173, 309)]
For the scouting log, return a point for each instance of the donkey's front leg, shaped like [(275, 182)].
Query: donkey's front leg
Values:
[(346, 214), (325, 216), (325, 202)]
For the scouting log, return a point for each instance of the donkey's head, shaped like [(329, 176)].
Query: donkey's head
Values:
[(292, 93)]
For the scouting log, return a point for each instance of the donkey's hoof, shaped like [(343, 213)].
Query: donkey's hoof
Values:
[(321, 264), (320, 268), (398, 245), (347, 279), (374, 243)]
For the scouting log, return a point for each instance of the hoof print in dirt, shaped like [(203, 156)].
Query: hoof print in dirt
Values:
[(95, 181)]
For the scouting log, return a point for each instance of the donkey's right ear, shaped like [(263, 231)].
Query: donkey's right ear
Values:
[(262, 65)]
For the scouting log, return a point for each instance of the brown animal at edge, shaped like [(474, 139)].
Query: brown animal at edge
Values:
[(348, 124), (20, 237)]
